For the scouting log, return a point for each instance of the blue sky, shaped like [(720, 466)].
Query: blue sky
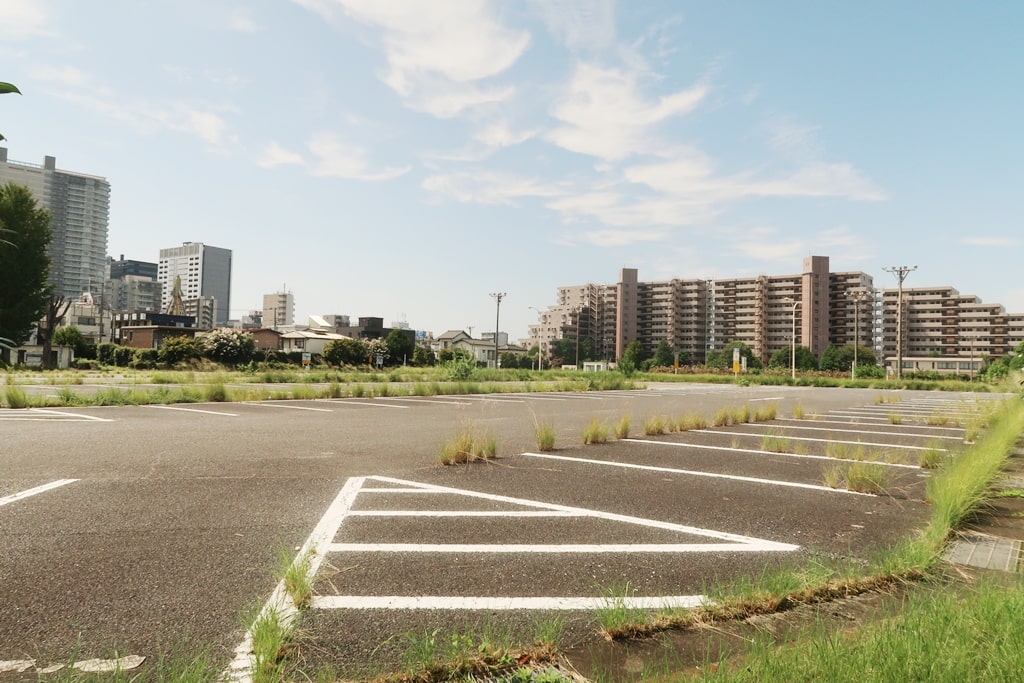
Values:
[(403, 158)]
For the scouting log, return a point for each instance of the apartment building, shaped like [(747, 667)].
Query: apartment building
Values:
[(941, 323), (205, 274), (79, 206), (699, 315), (278, 309)]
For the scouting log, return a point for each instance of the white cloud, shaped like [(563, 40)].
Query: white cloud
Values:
[(436, 51), (614, 238), (241, 20), (340, 159), (579, 23), (275, 155), (991, 241), (605, 115), (489, 187), (821, 180), (499, 134), (770, 249), (69, 76), (24, 19)]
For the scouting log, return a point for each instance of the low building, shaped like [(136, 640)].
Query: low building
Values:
[(308, 341)]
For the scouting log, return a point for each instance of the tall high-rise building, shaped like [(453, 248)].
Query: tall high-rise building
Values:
[(79, 207), (205, 274), (132, 286), (278, 309)]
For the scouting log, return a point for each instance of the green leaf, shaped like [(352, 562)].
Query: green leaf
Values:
[(8, 87)]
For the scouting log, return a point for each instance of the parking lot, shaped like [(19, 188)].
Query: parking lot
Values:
[(141, 530)]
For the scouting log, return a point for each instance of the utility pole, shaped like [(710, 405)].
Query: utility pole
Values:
[(901, 273), (498, 296), (856, 295)]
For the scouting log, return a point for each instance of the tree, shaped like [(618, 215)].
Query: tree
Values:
[(229, 347), (723, 358), (423, 355), (24, 264), (841, 357), (663, 356), (346, 352), (805, 360), (400, 345), (54, 309), (73, 337), (174, 350)]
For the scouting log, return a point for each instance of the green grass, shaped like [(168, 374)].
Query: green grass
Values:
[(941, 635), (798, 411), (895, 419), (690, 422), (468, 446), (775, 443), (654, 425), (270, 638), (15, 397), (616, 617), (766, 413), (545, 434), (295, 574), (622, 428), (596, 432)]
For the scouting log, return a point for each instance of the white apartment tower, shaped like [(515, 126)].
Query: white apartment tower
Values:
[(278, 309), (205, 274), (79, 206)]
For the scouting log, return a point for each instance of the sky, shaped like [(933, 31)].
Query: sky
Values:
[(406, 159)]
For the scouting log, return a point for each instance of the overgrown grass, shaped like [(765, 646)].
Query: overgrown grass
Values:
[(616, 618), (691, 422), (654, 425), (798, 411), (295, 574), (545, 433), (941, 635), (468, 446), (595, 432), (440, 655), (15, 397), (775, 442), (622, 428), (766, 413), (895, 419), (271, 635)]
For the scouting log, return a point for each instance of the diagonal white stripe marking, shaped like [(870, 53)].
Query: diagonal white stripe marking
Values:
[(569, 548), (694, 473), (193, 410), (38, 489)]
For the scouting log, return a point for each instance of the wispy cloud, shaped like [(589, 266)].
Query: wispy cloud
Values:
[(24, 19), (437, 52), (340, 159), (275, 155), (992, 241), (242, 21), (579, 23), (770, 249), (499, 135), (489, 187), (613, 238), (605, 115)]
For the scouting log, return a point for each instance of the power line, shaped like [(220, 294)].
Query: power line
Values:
[(901, 273)]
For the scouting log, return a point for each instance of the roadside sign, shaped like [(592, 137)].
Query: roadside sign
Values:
[(736, 360), (307, 357)]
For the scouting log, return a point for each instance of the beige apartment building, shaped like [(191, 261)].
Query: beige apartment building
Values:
[(953, 331), (944, 330)]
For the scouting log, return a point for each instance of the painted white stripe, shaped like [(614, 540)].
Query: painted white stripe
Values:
[(460, 513), (535, 397), (64, 413), (500, 398), (240, 668), (810, 438), (584, 512), (772, 398), (692, 473), (276, 404), (768, 425), (366, 403), (435, 401), (501, 604), (820, 420), (192, 410), (591, 548), (855, 419), (676, 444), (38, 489), (394, 490)]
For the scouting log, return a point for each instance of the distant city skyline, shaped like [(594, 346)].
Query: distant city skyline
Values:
[(395, 158)]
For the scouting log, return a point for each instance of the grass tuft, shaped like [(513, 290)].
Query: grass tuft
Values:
[(468, 446), (622, 429), (595, 432), (654, 425), (545, 436)]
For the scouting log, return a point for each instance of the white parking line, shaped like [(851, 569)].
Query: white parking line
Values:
[(820, 420), (38, 489), (769, 425), (569, 548), (693, 473), (810, 438), (435, 401), (774, 454), (499, 603), (276, 404), (366, 403), (193, 410)]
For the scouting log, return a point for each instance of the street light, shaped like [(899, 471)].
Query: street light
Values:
[(498, 296), (540, 340), (792, 343), (856, 295)]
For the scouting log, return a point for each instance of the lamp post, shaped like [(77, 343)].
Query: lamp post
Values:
[(856, 295), (498, 296), (792, 343), (540, 341)]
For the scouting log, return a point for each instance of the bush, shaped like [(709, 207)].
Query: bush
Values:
[(229, 347), (176, 350)]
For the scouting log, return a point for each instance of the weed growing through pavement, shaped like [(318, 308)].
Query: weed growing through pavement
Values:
[(622, 429), (691, 422), (467, 446), (15, 397), (270, 636), (721, 418), (766, 413), (895, 419), (616, 617), (862, 477), (654, 425), (296, 577), (595, 432), (775, 443), (798, 411), (545, 436), (931, 458)]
